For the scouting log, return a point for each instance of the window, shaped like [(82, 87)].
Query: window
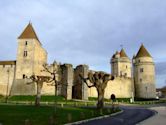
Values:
[(126, 67), (125, 74), (140, 80), (11, 66), (3, 66), (141, 70), (25, 54), (26, 43), (23, 76), (120, 73)]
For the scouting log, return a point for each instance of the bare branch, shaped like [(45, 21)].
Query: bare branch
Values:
[(85, 80), (28, 83), (46, 69)]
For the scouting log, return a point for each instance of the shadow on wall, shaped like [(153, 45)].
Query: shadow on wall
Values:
[(20, 87)]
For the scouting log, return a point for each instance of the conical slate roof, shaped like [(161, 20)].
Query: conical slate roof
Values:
[(122, 53), (143, 52), (28, 32)]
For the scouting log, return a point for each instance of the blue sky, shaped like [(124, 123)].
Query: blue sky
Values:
[(88, 31)]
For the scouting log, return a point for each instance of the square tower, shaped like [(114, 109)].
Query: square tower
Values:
[(30, 54), (30, 59)]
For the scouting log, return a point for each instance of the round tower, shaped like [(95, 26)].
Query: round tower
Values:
[(144, 74), (121, 64)]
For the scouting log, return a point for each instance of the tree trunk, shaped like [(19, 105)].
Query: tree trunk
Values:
[(56, 89), (100, 103), (38, 95)]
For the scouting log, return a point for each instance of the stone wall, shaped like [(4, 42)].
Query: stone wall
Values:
[(20, 87), (67, 81), (7, 73), (121, 67), (33, 61), (80, 89), (49, 88), (27, 65), (121, 87)]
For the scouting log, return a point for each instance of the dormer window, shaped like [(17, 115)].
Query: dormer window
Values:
[(25, 53)]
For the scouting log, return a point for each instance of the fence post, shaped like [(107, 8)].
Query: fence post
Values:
[(82, 115), (62, 105), (69, 117), (27, 122), (51, 120)]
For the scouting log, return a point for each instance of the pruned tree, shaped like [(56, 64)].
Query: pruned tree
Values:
[(39, 80), (55, 74), (98, 80)]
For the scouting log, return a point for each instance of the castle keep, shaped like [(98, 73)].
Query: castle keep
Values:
[(132, 78)]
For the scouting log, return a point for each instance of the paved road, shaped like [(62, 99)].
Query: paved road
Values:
[(130, 116), (158, 119)]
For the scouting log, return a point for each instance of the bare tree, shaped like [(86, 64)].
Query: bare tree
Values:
[(39, 80), (55, 74), (98, 80)]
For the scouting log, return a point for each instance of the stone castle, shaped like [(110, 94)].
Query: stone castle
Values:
[(132, 79)]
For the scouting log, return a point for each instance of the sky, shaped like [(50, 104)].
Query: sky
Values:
[(88, 31)]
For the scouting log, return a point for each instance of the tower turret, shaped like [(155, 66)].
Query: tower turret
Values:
[(30, 54), (144, 74), (121, 64)]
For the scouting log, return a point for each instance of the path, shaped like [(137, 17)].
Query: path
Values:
[(130, 116), (158, 119)]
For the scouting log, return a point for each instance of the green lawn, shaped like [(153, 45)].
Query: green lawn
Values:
[(17, 114), (44, 98), (108, 100), (49, 100)]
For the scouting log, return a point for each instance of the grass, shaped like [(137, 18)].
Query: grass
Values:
[(149, 102), (1, 96), (143, 99), (16, 115), (44, 98), (49, 99), (108, 100)]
